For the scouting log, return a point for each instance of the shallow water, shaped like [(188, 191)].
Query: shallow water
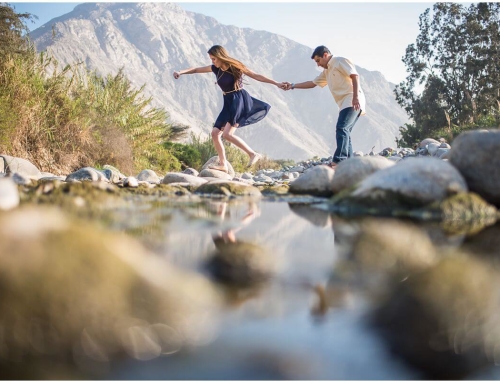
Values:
[(305, 311), (278, 329)]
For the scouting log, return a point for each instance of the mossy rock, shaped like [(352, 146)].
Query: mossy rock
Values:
[(72, 294), (228, 188), (460, 213), (161, 190), (274, 190), (443, 321), (240, 263)]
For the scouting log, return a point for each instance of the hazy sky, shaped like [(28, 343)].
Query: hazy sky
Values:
[(373, 35)]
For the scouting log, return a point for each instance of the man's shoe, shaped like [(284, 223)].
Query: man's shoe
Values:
[(254, 160)]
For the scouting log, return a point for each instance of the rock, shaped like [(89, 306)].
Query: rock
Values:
[(298, 169), (111, 175), (241, 263), (21, 179), (215, 159), (148, 176), (317, 182), (228, 188), (428, 141), (414, 182), (237, 179), (354, 170), (390, 246), (358, 154), (317, 217), (215, 174), (181, 177), (441, 152), (86, 174), (130, 182), (114, 171), (9, 195), (476, 155), (77, 295), (394, 158), (443, 320), (432, 148), (263, 178), (247, 176), (11, 165), (54, 178), (191, 171), (277, 189)]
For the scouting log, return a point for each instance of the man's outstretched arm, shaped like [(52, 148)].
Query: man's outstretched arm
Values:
[(300, 85)]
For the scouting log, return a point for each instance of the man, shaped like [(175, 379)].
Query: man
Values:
[(343, 80)]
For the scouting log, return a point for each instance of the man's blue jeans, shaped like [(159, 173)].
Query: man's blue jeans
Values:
[(347, 119)]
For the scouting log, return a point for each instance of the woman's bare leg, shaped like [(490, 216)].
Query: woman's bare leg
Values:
[(219, 147), (228, 135)]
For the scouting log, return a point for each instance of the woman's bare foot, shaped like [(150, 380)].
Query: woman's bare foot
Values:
[(254, 159), (217, 166)]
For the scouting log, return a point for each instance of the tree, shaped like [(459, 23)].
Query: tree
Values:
[(13, 29), (456, 58)]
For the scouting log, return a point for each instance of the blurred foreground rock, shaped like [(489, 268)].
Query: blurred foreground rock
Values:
[(77, 298)]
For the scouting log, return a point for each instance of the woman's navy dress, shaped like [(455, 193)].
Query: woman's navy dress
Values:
[(239, 107)]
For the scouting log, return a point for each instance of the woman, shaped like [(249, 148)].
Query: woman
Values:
[(239, 108)]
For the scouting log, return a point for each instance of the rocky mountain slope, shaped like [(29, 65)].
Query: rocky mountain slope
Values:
[(152, 40)]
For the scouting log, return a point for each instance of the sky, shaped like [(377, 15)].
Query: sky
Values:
[(374, 35)]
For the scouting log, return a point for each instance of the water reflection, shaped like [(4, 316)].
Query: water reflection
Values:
[(301, 292)]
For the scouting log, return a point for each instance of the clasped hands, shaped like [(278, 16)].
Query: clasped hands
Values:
[(285, 85)]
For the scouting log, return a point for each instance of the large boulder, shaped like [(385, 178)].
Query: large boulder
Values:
[(317, 181), (414, 182), (74, 296), (444, 320), (354, 170), (476, 155), (10, 165), (214, 159), (175, 177), (148, 175)]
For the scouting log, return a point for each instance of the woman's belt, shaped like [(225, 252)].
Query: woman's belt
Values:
[(231, 91)]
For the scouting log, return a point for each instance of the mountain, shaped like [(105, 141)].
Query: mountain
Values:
[(152, 40)]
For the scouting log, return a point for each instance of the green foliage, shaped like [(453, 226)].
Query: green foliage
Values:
[(64, 119), (186, 154), (456, 59), (12, 28)]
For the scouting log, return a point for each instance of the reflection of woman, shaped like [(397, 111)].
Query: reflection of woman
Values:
[(240, 109), (230, 234), (237, 262)]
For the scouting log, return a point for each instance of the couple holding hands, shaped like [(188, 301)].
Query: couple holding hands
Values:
[(240, 109)]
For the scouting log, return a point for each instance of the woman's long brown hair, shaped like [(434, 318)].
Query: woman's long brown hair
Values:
[(236, 67)]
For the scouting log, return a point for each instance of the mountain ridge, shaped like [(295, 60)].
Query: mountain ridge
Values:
[(152, 40)]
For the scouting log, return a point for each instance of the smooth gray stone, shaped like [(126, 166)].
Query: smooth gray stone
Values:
[(422, 180), (149, 176), (476, 155), (181, 177), (350, 172), (9, 165), (9, 195), (317, 182), (86, 174)]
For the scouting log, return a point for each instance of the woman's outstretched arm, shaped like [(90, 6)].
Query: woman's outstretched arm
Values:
[(262, 78), (201, 69)]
